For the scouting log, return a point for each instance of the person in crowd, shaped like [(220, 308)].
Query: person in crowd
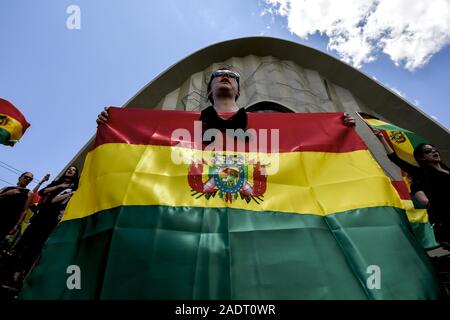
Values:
[(14, 202), (36, 196), (54, 199), (17, 231), (223, 91), (430, 184), (33, 206)]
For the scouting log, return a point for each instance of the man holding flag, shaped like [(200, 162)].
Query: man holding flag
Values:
[(145, 227), (430, 184)]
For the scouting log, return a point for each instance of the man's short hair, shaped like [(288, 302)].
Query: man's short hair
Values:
[(208, 90)]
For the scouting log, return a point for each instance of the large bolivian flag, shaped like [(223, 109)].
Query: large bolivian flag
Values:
[(12, 123), (403, 143), (159, 216)]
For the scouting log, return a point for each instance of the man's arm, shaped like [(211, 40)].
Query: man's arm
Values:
[(422, 198), (38, 186), (418, 188), (24, 212), (61, 197), (402, 164), (47, 190), (383, 141), (9, 193)]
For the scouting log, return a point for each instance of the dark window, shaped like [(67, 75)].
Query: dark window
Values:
[(268, 106)]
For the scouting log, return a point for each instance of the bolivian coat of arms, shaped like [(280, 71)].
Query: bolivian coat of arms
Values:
[(397, 137), (229, 177)]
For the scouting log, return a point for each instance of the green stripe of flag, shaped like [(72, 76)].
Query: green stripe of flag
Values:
[(390, 127), (425, 235), (157, 252), (5, 137), (415, 139)]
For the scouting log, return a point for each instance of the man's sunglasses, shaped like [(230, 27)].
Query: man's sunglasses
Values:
[(27, 178), (228, 73), (427, 151)]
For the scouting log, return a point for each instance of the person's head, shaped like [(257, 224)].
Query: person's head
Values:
[(426, 153), (71, 175), (24, 179), (223, 82)]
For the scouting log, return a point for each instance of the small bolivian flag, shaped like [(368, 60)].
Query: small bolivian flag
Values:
[(302, 211), (12, 123), (403, 142)]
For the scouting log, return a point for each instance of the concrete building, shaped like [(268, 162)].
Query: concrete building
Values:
[(279, 75)]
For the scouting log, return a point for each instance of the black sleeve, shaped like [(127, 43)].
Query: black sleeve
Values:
[(418, 184), (405, 166), (41, 192)]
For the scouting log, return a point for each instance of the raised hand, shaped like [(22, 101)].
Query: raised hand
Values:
[(102, 118), (377, 133), (349, 121), (66, 185)]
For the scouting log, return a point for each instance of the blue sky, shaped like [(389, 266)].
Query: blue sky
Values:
[(61, 79)]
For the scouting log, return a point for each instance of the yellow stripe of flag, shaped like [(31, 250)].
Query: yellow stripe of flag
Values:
[(13, 126), (307, 182)]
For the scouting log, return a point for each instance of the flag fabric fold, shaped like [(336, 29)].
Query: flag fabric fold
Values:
[(315, 218)]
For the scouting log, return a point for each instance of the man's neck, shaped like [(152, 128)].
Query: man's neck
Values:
[(225, 105), (437, 166)]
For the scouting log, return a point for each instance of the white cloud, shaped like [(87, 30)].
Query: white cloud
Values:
[(409, 31), (435, 118)]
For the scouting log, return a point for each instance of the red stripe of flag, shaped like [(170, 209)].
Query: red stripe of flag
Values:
[(297, 131), (402, 189), (7, 108)]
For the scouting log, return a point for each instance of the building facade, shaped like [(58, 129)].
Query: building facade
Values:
[(283, 76)]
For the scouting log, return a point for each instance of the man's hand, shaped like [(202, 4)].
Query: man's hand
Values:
[(102, 118), (45, 178), (377, 133), (66, 185), (383, 141), (349, 121)]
